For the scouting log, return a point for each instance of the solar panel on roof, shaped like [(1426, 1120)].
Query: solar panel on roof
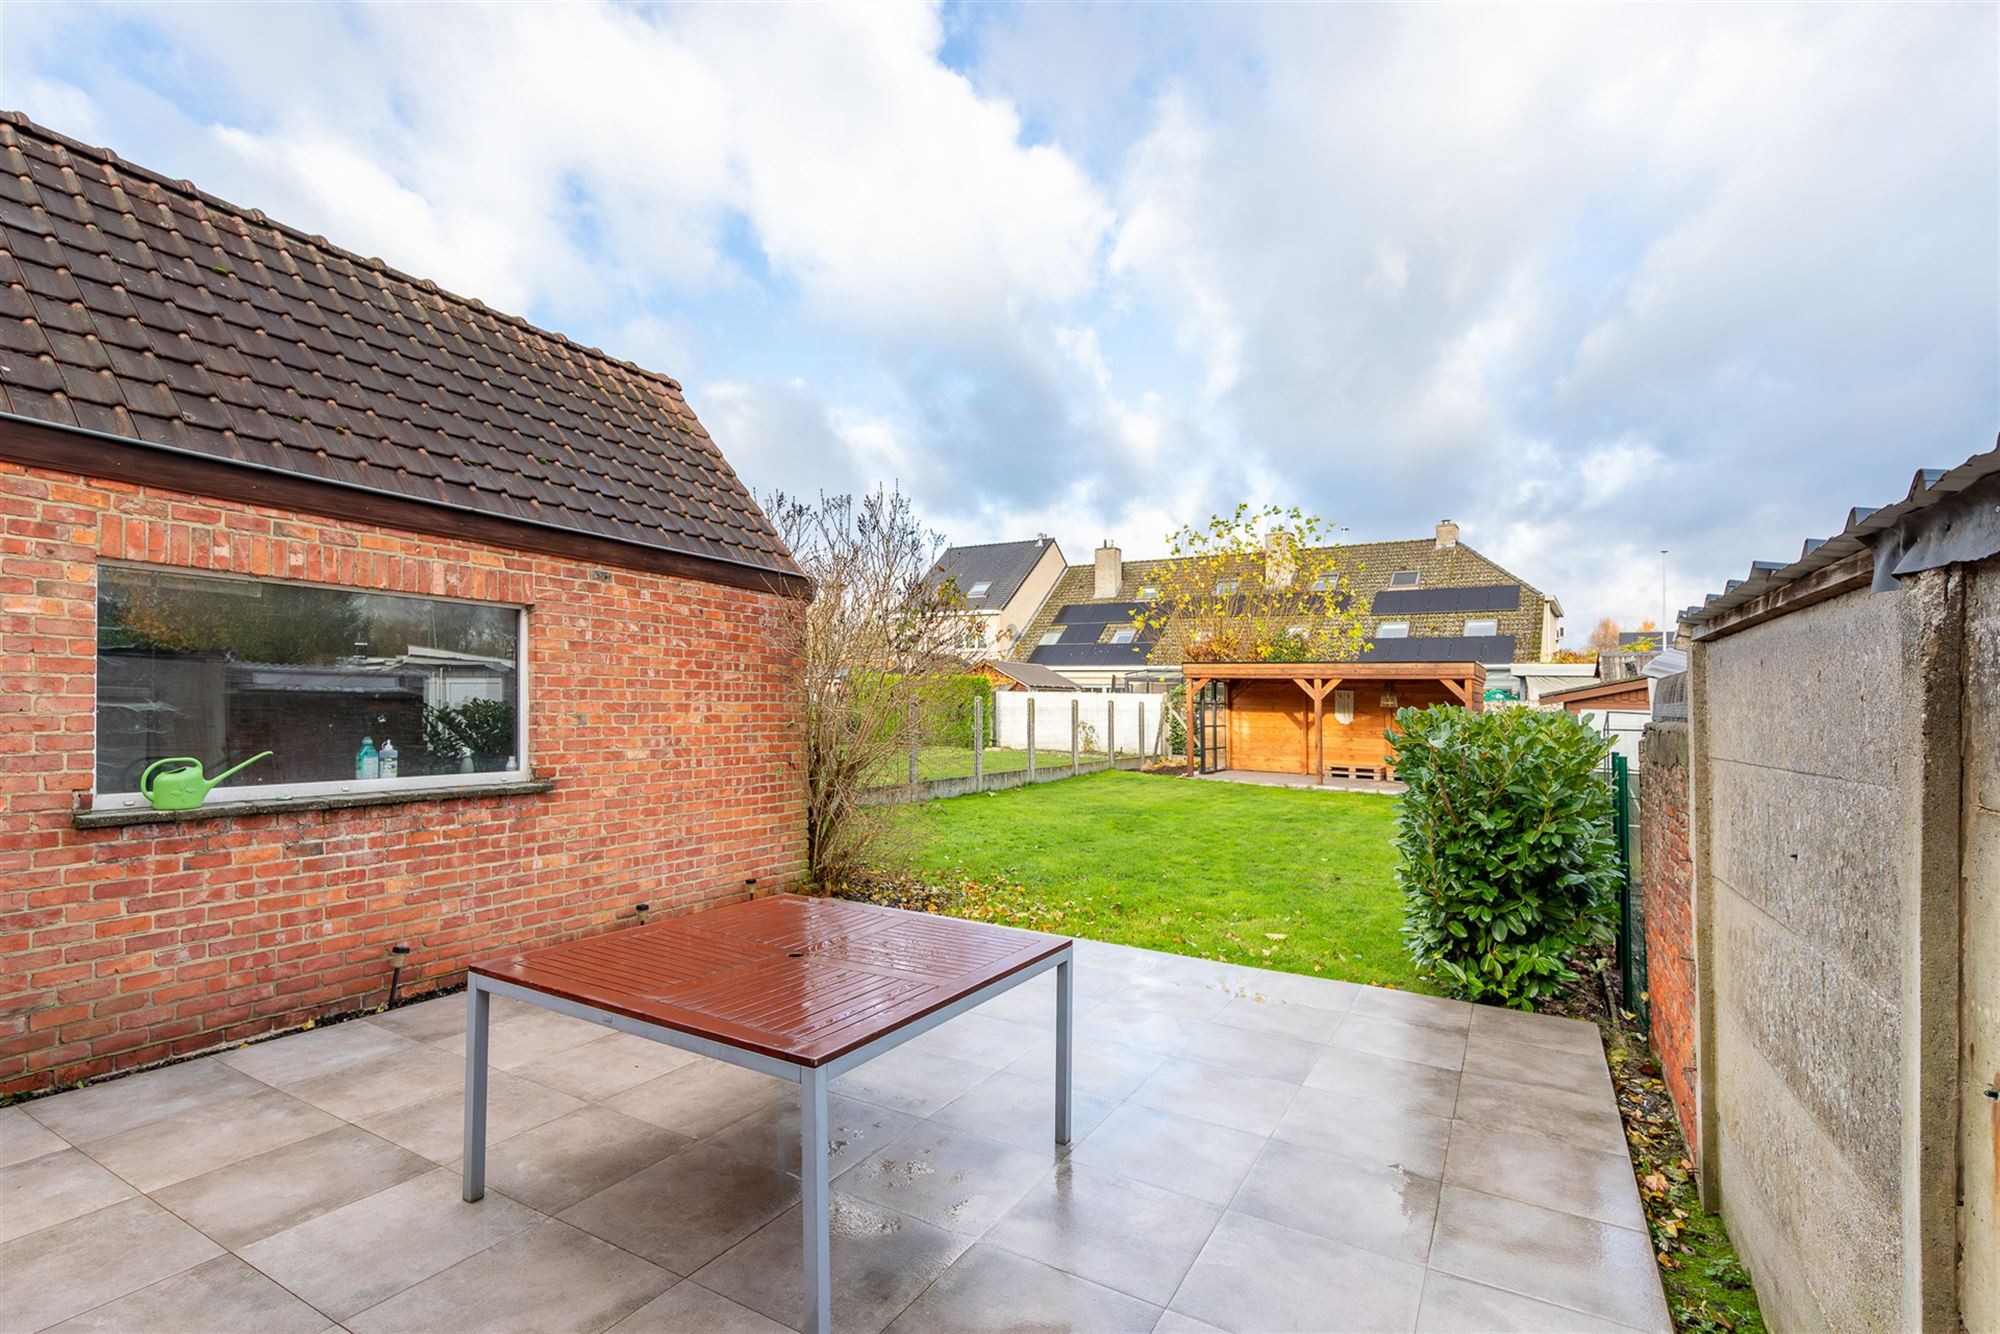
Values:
[(1491, 597)]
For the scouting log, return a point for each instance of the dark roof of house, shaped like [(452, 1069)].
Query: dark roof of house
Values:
[(1031, 674), (1002, 566), (138, 307)]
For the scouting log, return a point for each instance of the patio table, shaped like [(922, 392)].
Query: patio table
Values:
[(799, 988)]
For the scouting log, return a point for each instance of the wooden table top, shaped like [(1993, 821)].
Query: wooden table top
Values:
[(799, 979)]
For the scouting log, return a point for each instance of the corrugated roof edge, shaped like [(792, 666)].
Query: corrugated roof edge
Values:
[(1863, 532)]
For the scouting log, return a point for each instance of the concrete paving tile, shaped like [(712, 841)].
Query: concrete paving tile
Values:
[(55, 1188), (297, 1057), (1271, 1055), (437, 1020), (251, 1199), (689, 1308), (1173, 1322), (562, 1161), (525, 1036), (349, 1259), (1123, 1234), (1540, 1030), (950, 1178), (399, 1078), (1357, 1074), (989, 1289), (916, 1083), (72, 1267), (222, 1296), (102, 1110), (685, 1210), (1255, 1276), (1033, 1003), (189, 1143), (1175, 1153), (1380, 1209), (1453, 1305), (435, 1127), (546, 1279), (1412, 1007), (1581, 1118), (1262, 1015), (881, 1260), (1223, 1097), (23, 1137), (1022, 1111), (1527, 1063), (770, 1136), (1103, 1068), (1121, 1023), (1550, 1172), (1318, 993), (1182, 1000), (980, 1039), (1403, 1041), (1555, 1257), (701, 1097), (609, 1065), (1380, 1134)]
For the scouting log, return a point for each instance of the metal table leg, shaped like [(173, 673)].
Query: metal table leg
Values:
[(1063, 1025), (814, 1202), (478, 1005)]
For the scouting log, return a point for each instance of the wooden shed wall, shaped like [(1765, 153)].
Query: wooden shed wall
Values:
[(1270, 724), (1634, 697)]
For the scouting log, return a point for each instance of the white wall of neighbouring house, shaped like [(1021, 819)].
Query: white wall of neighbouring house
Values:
[(1123, 718)]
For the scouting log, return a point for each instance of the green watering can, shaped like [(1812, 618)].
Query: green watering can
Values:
[(183, 788)]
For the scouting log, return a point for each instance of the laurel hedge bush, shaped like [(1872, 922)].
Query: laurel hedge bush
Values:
[(1507, 861)]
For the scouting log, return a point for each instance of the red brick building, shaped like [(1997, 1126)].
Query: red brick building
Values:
[(505, 621)]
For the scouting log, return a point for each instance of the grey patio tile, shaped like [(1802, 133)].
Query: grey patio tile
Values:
[(1121, 1023), (1380, 1209), (689, 1308), (1528, 1063), (1271, 1055), (1173, 1322), (1403, 1041), (1357, 1074), (916, 1083), (1412, 1007), (348, 1259), (67, 1269), (297, 1057), (950, 1178), (685, 1210), (1033, 1003), (222, 1296), (383, 1083), (1123, 1234), (562, 1161), (1107, 956), (989, 1289), (202, 1139), (1540, 1030), (1554, 1257), (980, 1039), (1266, 985), (249, 1200), (1103, 1068), (700, 1097), (881, 1260), (23, 1137), (437, 1020), (1262, 1015), (1223, 1097), (435, 1127), (102, 1110), (1580, 1118), (1022, 1111), (609, 1065), (1550, 1172), (1182, 1000), (546, 1279), (1380, 1134), (1255, 1275), (1454, 1305), (522, 1037), (54, 1188), (770, 1135), (1173, 1152)]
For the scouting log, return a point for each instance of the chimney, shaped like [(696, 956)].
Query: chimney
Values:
[(1447, 534), (1110, 570), (1280, 561)]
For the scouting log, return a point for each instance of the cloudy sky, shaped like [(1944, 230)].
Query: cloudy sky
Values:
[(1592, 282)]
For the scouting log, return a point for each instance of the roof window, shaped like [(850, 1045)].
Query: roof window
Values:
[(1050, 637), (1405, 579), (1485, 625), (1393, 630), (1147, 592), (978, 590), (1123, 636), (1225, 588)]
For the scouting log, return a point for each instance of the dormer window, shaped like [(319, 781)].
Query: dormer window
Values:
[(1405, 579)]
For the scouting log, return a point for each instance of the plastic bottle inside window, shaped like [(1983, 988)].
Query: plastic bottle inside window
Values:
[(367, 763), (389, 760)]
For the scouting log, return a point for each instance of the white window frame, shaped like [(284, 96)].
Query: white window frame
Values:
[(1149, 592), (1049, 637), (1226, 588), (1393, 630), (443, 785), (1493, 622), (1396, 579), (978, 590), (1123, 635)]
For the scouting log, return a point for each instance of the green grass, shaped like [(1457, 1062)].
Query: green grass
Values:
[(934, 762), (1299, 881)]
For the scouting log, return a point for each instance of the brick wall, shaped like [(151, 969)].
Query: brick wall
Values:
[(659, 706), (1668, 888)]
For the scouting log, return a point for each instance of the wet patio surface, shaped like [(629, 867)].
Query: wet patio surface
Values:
[(1253, 1151)]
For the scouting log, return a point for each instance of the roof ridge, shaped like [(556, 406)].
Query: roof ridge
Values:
[(189, 190)]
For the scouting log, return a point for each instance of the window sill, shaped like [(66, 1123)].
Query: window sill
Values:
[(133, 815)]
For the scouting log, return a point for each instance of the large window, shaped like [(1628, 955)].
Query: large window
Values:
[(349, 691)]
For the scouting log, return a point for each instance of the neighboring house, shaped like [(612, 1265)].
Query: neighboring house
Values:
[(1431, 600), (1003, 585), (1017, 676), (510, 624), (1618, 709)]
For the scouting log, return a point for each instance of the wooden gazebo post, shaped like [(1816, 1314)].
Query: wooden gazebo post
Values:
[(1194, 685)]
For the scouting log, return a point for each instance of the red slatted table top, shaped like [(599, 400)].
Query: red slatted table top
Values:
[(802, 980)]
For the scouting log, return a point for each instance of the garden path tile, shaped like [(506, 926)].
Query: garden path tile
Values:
[(1454, 1305), (1127, 1235), (1430, 1089), (770, 1135), (686, 1209), (1251, 1052), (23, 1137), (1176, 1153), (1285, 1018), (297, 1057), (55, 1188), (989, 1289), (435, 1127), (1581, 1071), (605, 1067), (255, 1197), (1589, 1119), (913, 1082), (1225, 1097), (72, 1267), (159, 1153), (560, 1162), (1550, 1172), (101, 1110), (1382, 1209), (221, 1296), (1364, 1130), (1256, 1276), (1020, 1111), (701, 1097), (951, 1178), (1423, 1043), (689, 1308), (1552, 1256)]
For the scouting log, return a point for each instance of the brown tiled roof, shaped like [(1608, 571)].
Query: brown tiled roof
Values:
[(139, 307)]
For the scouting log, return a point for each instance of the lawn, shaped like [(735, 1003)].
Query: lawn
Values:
[(935, 762), (1300, 881)]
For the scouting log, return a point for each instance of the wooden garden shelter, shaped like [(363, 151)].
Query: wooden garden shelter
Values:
[(1320, 718)]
